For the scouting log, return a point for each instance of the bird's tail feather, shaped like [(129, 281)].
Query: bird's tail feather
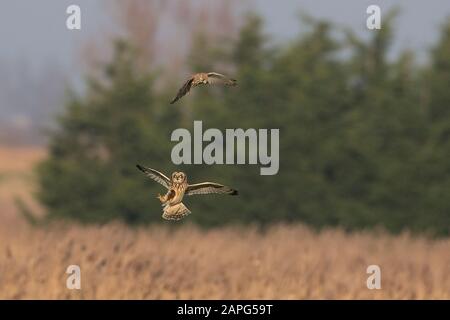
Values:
[(175, 212)]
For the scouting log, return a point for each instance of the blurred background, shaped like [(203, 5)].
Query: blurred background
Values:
[(364, 146)]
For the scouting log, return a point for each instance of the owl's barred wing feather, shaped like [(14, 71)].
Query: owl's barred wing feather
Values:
[(155, 175), (218, 78), (183, 90), (208, 188)]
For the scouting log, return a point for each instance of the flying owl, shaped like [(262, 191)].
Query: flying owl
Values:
[(177, 188), (202, 79)]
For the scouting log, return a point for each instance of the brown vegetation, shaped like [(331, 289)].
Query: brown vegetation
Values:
[(284, 262)]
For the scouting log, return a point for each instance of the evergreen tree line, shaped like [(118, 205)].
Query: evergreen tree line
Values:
[(364, 140)]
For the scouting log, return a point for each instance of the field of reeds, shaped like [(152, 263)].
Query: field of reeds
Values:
[(162, 262)]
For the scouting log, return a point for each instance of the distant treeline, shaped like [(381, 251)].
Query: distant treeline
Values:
[(364, 140)]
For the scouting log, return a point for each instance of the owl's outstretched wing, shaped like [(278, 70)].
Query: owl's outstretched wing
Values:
[(208, 188), (183, 90), (155, 175), (218, 78)]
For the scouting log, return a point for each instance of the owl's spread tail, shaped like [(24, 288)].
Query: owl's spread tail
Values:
[(175, 212)]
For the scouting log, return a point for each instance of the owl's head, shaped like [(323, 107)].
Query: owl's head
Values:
[(203, 79), (178, 177)]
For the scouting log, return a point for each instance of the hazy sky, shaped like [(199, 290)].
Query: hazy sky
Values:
[(35, 30), (38, 55)]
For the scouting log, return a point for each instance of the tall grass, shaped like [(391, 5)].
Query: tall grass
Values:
[(283, 262)]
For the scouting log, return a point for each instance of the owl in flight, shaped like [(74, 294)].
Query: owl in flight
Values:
[(202, 79), (177, 188)]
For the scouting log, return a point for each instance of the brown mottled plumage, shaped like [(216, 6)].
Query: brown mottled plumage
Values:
[(178, 187), (202, 79)]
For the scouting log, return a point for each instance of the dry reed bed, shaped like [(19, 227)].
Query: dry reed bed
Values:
[(285, 262)]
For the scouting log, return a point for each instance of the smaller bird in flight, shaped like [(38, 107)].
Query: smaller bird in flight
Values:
[(202, 79), (178, 187)]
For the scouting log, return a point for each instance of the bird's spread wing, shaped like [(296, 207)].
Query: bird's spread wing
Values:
[(155, 175), (183, 90), (209, 187), (218, 78)]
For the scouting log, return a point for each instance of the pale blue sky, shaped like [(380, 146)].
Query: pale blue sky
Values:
[(35, 30)]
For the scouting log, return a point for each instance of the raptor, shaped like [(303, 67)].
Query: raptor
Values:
[(203, 79), (177, 187)]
